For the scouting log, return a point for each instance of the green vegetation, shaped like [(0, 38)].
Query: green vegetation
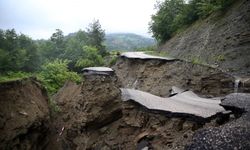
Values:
[(127, 42), (146, 49), (17, 52), (54, 60), (96, 37), (220, 58), (9, 76), (53, 107), (160, 53), (173, 15), (89, 58), (54, 74), (198, 61)]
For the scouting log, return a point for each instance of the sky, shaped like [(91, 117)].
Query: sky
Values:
[(39, 18)]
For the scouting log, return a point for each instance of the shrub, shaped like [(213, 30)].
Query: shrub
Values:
[(13, 76), (55, 73), (90, 58)]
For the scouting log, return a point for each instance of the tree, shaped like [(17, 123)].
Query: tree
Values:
[(173, 15), (57, 44), (162, 22), (90, 58), (18, 52), (55, 73), (73, 48), (96, 37)]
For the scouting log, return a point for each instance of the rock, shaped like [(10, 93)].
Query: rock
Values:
[(23, 125), (83, 110), (232, 135), (103, 120)]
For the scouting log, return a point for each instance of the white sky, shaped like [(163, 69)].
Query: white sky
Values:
[(40, 18)]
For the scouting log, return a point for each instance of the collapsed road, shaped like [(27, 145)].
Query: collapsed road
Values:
[(185, 103), (142, 55), (94, 115)]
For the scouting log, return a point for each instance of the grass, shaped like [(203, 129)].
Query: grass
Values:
[(155, 53), (197, 61), (220, 58), (11, 76)]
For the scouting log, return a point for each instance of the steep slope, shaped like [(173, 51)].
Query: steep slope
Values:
[(158, 76), (127, 41), (223, 39), (24, 115)]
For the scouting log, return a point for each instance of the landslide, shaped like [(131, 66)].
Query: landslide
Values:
[(93, 116), (223, 40), (158, 76), (24, 115)]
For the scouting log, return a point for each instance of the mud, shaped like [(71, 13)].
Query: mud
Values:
[(24, 115), (159, 76), (95, 117)]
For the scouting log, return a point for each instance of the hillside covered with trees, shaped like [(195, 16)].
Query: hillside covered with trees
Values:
[(54, 60), (175, 15)]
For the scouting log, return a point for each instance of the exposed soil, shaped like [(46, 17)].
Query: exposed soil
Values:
[(159, 76), (222, 39), (95, 117), (24, 115)]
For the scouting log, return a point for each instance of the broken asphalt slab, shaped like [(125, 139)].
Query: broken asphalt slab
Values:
[(184, 103), (142, 55)]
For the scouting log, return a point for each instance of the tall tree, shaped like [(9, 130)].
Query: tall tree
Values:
[(57, 44), (96, 36), (18, 52)]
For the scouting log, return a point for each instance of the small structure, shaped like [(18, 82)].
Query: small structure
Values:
[(98, 71), (142, 55)]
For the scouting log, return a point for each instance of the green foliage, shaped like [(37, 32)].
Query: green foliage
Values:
[(96, 37), (220, 58), (54, 108), (173, 15), (149, 48), (158, 53), (91, 57), (205, 7), (77, 47), (113, 60), (196, 60), (54, 59), (17, 52), (10, 76), (55, 73)]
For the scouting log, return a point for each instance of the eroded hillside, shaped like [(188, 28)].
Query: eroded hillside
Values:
[(221, 40)]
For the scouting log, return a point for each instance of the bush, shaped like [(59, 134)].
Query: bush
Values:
[(174, 15), (113, 60), (9, 76), (90, 58), (55, 73)]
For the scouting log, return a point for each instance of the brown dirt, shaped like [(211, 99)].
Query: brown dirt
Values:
[(94, 117), (158, 76), (24, 115)]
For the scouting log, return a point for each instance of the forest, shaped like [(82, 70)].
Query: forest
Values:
[(173, 16), (52, 61)]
